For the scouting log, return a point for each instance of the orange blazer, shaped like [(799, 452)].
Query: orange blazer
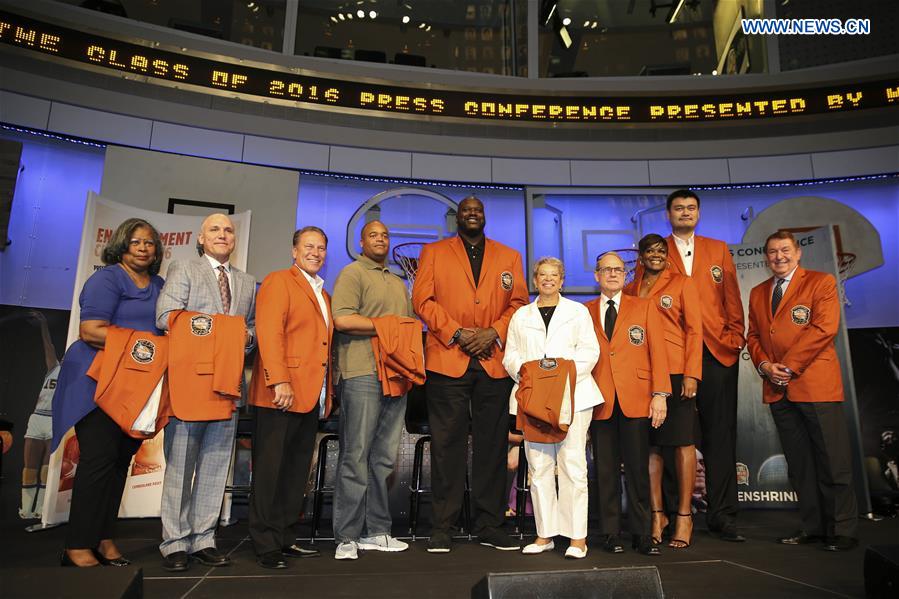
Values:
[(206, 354), (800, 335), (294, 343), (716, 281), (127, 371), (634, 364), (399, 357), (544, 387), (445, 298), (678, 302)]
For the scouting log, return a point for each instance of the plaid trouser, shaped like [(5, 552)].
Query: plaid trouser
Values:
[(197, 457)]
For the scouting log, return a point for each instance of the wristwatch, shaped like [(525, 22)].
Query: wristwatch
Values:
[(456, 336)]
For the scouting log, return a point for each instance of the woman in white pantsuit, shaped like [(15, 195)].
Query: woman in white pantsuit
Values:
[(556, 327)]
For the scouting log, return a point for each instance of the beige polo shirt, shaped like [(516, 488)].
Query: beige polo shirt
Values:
[(366, 288)]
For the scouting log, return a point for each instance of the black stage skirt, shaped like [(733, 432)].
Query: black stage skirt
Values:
[(681, 426)]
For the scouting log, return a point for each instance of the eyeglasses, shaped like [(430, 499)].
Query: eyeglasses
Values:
[(612, 270)]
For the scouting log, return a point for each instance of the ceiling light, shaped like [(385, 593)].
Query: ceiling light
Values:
[(360, 13), (566, 21), (594, 25), (341, 17), (428, 28), (406, 19), (372, 14), (422, 25), (586, 24), (715, 72), (334, 19)]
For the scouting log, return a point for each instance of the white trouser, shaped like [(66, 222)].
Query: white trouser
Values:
[(564, 513)]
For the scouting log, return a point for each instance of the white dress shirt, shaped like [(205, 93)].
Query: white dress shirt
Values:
[(318, 285), (785, 284), (687, 249), (604, 305)]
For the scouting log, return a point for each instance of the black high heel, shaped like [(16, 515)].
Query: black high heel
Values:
[(658, 540), (682, 543), (105, 561), (66, 562)]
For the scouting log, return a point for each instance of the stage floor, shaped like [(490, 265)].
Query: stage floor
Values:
[(710, 568)]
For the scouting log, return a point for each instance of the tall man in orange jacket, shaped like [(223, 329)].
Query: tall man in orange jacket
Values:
[(709, 263), (291, 391), (632, 374), (793, 319), (466, 290), (371, 422), (198, 452)]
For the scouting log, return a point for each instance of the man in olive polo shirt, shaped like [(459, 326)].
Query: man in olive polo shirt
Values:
[(370, 423)]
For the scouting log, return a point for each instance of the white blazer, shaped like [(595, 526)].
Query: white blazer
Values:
[(570, 335)]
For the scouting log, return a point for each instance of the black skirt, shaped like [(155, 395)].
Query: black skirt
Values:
[(681, 426)]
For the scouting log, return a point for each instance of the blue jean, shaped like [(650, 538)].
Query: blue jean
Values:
[(371, 425)]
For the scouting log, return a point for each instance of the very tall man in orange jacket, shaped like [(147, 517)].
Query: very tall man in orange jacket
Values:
[(466, 290), (709, 263), (291, 391), (793, 319), (632, 374)]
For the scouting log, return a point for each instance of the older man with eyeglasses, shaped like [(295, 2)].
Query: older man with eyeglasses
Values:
[(632, 374)]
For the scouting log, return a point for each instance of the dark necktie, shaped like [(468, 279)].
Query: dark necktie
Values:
[(611, 316), (777, 296), (225, 290)]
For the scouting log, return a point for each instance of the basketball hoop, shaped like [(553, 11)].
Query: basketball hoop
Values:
[(406, 256), (845, 262), (630, 257)]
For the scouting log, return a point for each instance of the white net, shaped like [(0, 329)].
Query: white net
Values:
[(406, 256), (845, 264)]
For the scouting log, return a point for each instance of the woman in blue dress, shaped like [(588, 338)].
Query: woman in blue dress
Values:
[(123, 294)]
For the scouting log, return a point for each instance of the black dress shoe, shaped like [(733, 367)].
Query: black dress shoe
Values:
[(176, 562), (104, 561), (840, 543), (211, 557), (66, 561), (731, 535), (612, 544), (800, 537), (644, 545), (300, 552), (273, 560)]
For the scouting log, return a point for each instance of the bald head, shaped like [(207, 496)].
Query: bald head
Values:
[(217, 236)]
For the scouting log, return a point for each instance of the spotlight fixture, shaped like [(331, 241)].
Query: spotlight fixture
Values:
[(360, 13), (422, 25), (594, 25), (334, 19), (406, 19), (340, 16), (372, 14), (715, 72), (586, 24), (428, 28), (566, 21)]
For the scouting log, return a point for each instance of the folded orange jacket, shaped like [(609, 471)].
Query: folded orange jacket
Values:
[(545, 399), (206, 354), (127, 371), (399, 355)]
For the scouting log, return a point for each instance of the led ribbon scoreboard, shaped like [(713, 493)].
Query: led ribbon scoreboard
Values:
[(281, 85)]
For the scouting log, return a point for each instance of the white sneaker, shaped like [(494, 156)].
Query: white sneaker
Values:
[(535, 548), (382, 543), (347, 550), (575, 552)]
